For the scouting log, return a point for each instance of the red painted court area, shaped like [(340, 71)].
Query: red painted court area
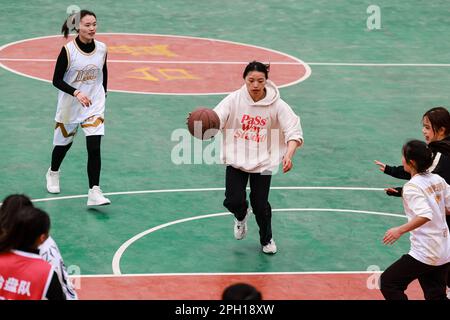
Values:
[(348, 286), (160, 64)]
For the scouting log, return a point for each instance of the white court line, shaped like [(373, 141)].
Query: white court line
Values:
[(363, 64), (344, 64), (119, 253), (156, 61), (296, 61), (203, 189), (219, 274)]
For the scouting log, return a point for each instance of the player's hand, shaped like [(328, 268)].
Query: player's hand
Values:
[(395, 192), (287, 164), (83, 99), (392, 235), (381, 165)]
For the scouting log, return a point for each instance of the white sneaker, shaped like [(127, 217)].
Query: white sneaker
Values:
[(52, 178), (240, 227), (448, 293), (96, 198), (270, 248)]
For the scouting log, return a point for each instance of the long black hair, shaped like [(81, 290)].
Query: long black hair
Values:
[(9, 208), (419, 152), (439, 117), (257, 66), (73, 19), (29, 224)]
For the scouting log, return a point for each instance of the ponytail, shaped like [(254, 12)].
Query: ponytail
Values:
[(65, 29)]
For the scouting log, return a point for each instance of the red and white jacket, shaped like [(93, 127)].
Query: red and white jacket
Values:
[(24, 276)]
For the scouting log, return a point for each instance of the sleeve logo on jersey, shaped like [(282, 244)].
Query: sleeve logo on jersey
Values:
[(87, 75)]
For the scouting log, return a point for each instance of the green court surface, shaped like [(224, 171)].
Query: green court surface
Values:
[(351, 115)]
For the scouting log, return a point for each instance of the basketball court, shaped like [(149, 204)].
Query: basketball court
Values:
[(360, 94)]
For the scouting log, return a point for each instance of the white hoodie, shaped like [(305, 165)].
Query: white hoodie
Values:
[(255, 134)]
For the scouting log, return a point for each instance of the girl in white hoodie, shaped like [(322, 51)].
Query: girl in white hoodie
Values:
[(260, 131)]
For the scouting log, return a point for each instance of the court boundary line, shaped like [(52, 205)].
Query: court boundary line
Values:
[(119, 252), (307, 74), (219, 274), (369, 64), (344, 64), (204, 189), (300, 62)]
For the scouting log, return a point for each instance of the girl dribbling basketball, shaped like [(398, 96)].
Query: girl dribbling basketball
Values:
[(260, 131)]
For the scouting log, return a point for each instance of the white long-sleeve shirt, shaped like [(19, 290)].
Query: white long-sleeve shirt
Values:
[(255, 134), (428, 195)]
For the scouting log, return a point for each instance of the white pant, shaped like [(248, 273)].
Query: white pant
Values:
[(65, 132)]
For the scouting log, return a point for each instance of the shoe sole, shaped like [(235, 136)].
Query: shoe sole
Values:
[(98, 205), (48, 190)]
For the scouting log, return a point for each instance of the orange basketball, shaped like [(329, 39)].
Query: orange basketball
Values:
[(203, 123)]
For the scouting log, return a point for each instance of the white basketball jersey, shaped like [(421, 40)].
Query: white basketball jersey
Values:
[(428, 196), (49, 251), (85, 73)]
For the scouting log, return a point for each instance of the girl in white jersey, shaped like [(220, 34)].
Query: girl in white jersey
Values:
[(426, 199), (260, 130), (81, 77)]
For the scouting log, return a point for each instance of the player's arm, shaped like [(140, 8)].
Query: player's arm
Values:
[(293, 133), (447, 200), (397, 172), (418, 203), (105, 75), (292, 145), (394, 192), (223, 110), (395, 233), (60, 70), (58, 79)]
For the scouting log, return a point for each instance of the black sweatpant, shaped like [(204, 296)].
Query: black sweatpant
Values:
[(94, 163), (396, 278), (236, 199)]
